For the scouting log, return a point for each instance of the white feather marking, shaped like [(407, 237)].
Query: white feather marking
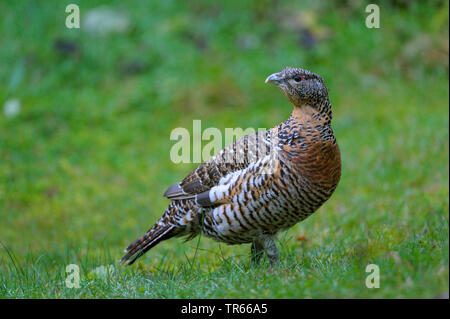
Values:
[(241, 197)]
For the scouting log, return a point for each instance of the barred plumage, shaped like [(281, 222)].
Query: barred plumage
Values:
[(261, 184)]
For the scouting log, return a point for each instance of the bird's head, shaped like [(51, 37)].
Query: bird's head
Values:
[(301, 87)]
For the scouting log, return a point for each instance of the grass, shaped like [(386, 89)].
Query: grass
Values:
[(84, 164)]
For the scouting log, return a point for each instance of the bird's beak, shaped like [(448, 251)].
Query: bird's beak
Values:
[(274, 78)]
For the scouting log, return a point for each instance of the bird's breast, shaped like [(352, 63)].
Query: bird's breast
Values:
[(318, 165)]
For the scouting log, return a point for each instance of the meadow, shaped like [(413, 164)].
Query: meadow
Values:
[(85, 158)]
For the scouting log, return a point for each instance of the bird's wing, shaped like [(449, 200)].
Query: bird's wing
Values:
[(243, 185), (233, 159)]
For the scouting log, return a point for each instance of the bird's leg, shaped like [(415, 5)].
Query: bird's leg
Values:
[(257, 251), (265, 244), (271, 250)]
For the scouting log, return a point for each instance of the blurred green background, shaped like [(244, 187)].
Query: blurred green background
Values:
[(86, 116)]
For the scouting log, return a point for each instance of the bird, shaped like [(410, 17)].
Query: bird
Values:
[(261, 184)]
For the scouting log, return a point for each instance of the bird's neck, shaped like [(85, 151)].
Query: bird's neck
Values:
[(306, 114)]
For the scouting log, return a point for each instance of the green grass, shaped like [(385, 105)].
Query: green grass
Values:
[(84, 164)]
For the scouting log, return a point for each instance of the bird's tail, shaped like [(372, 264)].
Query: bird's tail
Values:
[(141, 245)]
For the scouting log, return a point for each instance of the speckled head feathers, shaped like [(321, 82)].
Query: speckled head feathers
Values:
[(300, 86)]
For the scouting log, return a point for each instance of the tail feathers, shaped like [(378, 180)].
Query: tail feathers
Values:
[(145, 243)]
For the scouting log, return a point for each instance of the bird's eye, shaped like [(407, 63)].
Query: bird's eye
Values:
[(299, 78)]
